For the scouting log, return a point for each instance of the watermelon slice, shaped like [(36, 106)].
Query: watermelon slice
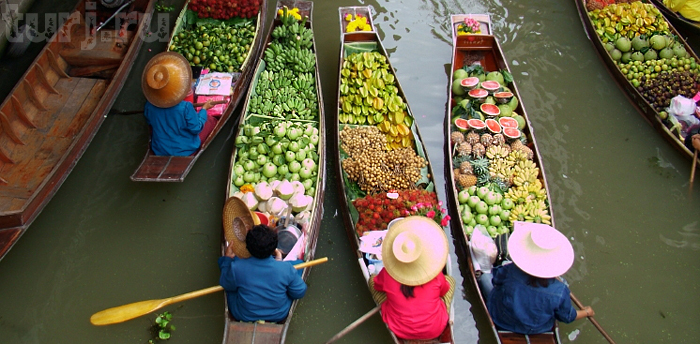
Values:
[(469, 83), (503, 97), (508, 122), (462, 124), (512, 133), (490, 109), (478, 93), (476, 124), (490, 85), (493, 126)]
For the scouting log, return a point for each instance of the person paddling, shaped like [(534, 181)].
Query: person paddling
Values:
[(259, 287), (417, 295), (176, 128), (526, 296)]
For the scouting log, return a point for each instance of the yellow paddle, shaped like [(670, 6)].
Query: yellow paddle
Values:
[(123, 313)]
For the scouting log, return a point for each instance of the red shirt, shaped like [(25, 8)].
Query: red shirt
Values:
[(423, 316)]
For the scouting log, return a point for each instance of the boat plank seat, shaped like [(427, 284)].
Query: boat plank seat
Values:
[(42, 147), (105, 49), (254, 333), (517, 338), (163, 168)]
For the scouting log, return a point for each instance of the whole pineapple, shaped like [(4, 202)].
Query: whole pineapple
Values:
[(478, 150), (472, 138), (464, 149), (499, 139), (466, 180), (466, 168), (486, 140), (456, 137)]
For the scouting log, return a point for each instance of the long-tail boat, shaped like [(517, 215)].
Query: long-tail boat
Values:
[(603, 32), (155, 168), (475, 137), (374, 103), (52, 114), (675, 16), (265, 132)]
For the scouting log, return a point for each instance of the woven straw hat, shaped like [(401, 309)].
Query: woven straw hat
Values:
[(540, 250), (166, 79), (414, 250), (238, 220)]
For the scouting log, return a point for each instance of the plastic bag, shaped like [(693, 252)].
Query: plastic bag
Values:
[(484, 248), (683, 109)]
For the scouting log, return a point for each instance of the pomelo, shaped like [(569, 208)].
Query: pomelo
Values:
[(478, 93), (491, 85), (493, 126), (490, 109), (512, 133), (505, 110), (470, 82), (457, 88), (460, 74), (503, 97), (495, 76), (521, 120), (462, 124), (508, 122), (513, 103), (476, 123)]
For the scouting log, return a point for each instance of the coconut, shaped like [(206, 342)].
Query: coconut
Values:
[(263, 191), (298, 187), (250, 200), (276, 206), (285, 190), (300, 203)]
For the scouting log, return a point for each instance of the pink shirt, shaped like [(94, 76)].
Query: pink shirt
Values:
[(423, 316)]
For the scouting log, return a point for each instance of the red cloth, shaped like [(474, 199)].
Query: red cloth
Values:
[(423, 316), (209, 126)]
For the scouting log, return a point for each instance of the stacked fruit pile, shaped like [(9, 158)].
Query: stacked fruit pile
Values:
[(639, 40), (376, 211), (277, 160), (369, 95), (225, 10), (216, 45)]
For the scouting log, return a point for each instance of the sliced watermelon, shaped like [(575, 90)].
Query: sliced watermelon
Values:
[(462, 124), (478, 93), (476, 123), (508, 122), (469, 83), (491, 85), (503, 97), (490, 109), (493, 126), (512, 133)]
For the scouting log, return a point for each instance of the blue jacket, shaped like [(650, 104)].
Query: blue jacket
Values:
[(175, 130), (518, 307), (260, 289)]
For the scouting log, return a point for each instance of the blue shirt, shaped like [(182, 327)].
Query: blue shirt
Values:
[(260, 289), (518, 307), (175, 130)]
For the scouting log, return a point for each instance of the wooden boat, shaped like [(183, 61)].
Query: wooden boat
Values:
[(154, 168), (484, 50), (52, 114), (268, 333), (361, 41), (675, 16), (663, 126)]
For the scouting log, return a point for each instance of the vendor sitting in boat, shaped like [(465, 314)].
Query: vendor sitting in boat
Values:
[(414, 294), (258, 286), (176, 128), (526, 296)]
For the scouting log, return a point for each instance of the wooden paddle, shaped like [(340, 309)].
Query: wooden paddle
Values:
[(216, 102), (123, 313), (692, 169), (353, 325), (593, 321)]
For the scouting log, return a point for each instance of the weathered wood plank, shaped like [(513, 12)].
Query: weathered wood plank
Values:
[(254, 333), (7, 239)]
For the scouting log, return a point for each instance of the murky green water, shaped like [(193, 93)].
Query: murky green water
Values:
[(618, 190)]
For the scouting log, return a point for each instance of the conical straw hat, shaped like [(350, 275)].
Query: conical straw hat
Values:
[(540, 250), (166, 79), (238, 220), (414, 250)]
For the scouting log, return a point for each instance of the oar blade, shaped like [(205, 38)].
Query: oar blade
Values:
[(123, 313)]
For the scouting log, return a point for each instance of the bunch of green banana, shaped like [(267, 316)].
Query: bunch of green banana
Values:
[(627, 20)]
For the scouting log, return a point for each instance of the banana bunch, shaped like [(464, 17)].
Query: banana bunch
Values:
[(301, 61), (497, 152), (525, 172), (536, 212), (516, 156), (518, 213), (304, 82), (500, 168), (294, 35)]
